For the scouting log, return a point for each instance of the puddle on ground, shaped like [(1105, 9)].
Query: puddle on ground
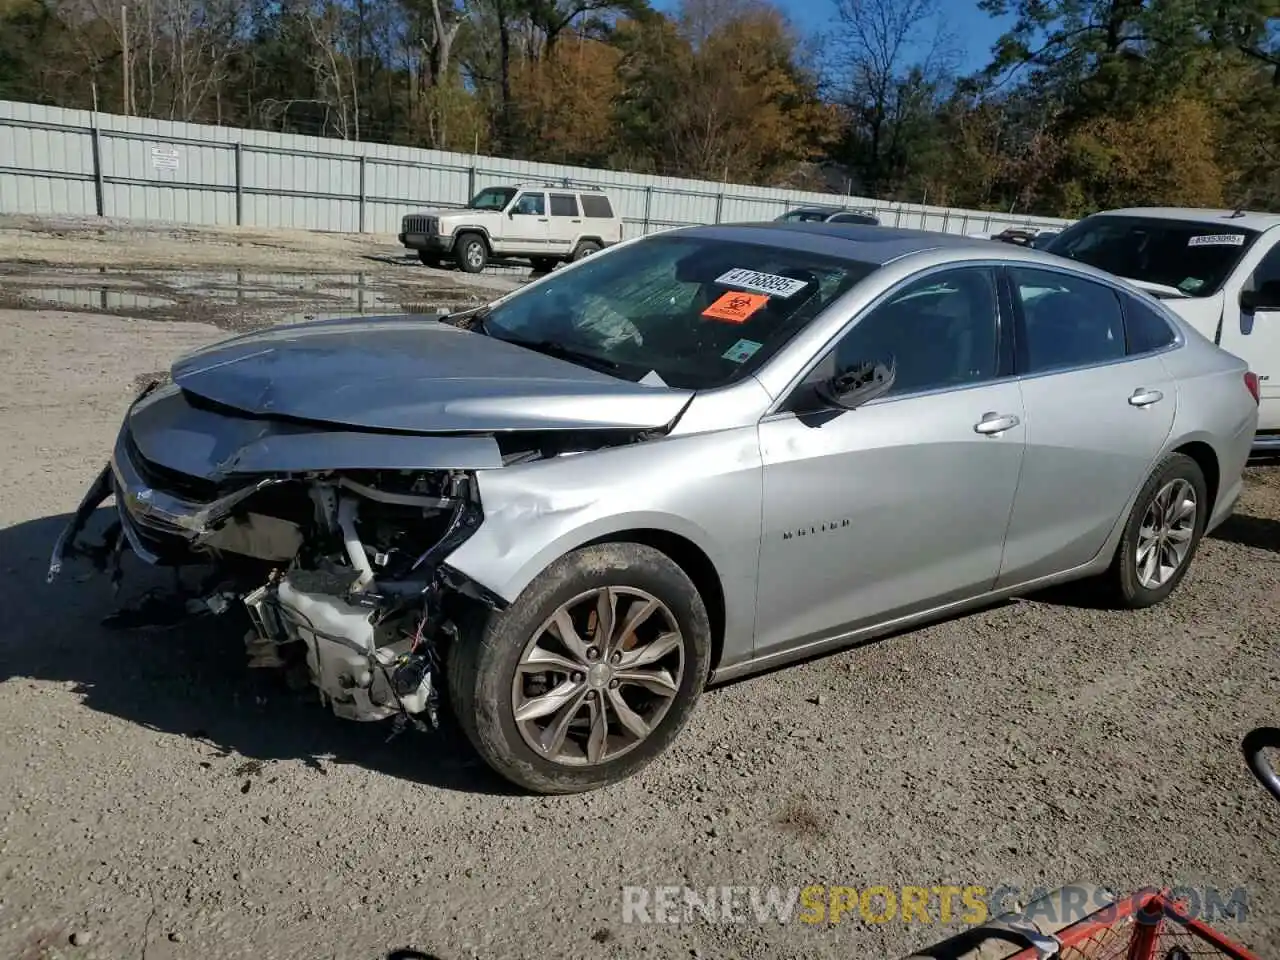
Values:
[(235, 299), (100, 298)]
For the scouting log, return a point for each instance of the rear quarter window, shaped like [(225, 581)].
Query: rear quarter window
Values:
[(1144, 329), (596, 206)]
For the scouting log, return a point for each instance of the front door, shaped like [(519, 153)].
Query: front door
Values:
[(528, 229), (1254, 336), (1099, 408), (900, 505)]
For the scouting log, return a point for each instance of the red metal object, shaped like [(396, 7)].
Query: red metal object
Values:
[(1147, 926)]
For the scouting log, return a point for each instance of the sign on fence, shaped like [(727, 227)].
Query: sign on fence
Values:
[(164, 158)]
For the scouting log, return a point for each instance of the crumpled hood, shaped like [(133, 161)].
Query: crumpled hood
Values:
[(415, 375)]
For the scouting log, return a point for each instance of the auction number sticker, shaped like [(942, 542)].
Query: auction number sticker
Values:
[(767, 283), (1217, 240)]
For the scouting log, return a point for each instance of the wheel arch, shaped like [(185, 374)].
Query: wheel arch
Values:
[(482, 231), (1206, 459), (675, 538), (697, 566)]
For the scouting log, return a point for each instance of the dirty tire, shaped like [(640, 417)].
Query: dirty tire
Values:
[(544, 264), (585, 249), (1120, 583), (429, 259), (470, 252), (482, 664)]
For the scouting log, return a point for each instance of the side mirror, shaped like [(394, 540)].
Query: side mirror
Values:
[(859, 384), (1266, 297)]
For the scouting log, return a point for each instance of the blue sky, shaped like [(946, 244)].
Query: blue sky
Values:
[(973, 30)]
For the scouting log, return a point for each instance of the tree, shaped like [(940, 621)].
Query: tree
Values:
[(564, 102), (894, 62)]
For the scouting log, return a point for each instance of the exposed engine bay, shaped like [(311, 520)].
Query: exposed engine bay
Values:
[(337, 572)]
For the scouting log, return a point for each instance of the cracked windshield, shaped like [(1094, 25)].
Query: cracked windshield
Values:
[(714, 479)]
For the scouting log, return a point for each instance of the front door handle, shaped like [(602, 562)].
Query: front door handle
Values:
[(995, 423), (1142, 397)]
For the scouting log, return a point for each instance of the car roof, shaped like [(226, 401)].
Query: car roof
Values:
[(852, 241), (1248, 219)]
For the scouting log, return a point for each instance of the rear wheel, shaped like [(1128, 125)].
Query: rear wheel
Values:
[(544, 264), (471, 252), (585, 249), (1161, 535), (589, 675)]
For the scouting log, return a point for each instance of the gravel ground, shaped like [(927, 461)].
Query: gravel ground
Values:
[(157, 802)]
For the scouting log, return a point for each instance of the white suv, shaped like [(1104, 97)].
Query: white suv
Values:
[(544, 224)]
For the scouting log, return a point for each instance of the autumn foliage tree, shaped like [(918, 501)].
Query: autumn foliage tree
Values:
[(1084, 104)]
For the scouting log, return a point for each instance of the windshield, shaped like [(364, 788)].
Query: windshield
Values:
[(804, 216), (492, 198), (1192, 257), (697, 312)]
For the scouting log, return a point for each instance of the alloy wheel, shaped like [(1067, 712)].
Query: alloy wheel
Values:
[(1168, 528), (597, 678)]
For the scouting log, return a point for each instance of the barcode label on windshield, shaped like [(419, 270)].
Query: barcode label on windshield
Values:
[(1217, 240), (770, 283)]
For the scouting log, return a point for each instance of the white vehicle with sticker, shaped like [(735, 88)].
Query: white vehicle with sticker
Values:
[(1219, 269)]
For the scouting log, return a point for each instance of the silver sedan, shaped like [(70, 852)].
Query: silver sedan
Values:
[(693, 456)]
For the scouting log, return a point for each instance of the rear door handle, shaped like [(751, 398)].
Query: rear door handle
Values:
[(994, 423), (1142, 397)]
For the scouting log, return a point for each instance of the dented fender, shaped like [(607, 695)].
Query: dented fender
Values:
[(535, 513)]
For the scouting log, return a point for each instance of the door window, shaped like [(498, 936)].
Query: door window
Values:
[(531, 204), (939, 331), (1067, 321), (564, 205)]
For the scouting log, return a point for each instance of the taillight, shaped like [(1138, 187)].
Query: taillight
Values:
[(1251, 382)]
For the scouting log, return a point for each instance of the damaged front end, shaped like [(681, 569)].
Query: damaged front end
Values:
[(339, 568)]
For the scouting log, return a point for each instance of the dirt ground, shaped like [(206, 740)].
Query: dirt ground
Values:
[(235, 279), (157, 802)]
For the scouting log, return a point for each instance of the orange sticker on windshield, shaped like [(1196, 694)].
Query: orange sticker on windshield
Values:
[(735, 306)]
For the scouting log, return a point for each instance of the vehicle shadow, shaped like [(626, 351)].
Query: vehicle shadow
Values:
[(1247, 531), (192, 680)]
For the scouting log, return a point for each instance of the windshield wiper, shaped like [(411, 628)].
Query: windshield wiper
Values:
[(554, 348)]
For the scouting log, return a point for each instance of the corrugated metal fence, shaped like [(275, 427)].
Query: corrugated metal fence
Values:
[(55, 161)]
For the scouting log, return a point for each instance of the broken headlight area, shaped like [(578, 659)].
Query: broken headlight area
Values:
[(340, 574)]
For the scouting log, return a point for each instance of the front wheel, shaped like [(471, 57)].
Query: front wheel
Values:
[(589, 675), (429, 259), (471, 252), (544, 264), (1161, 535)]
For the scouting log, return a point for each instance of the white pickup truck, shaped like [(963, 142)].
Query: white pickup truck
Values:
[(1220, 269)]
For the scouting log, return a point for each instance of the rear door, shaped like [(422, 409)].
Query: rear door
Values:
[(566, 223), (1099, 407), (1254, 336)]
